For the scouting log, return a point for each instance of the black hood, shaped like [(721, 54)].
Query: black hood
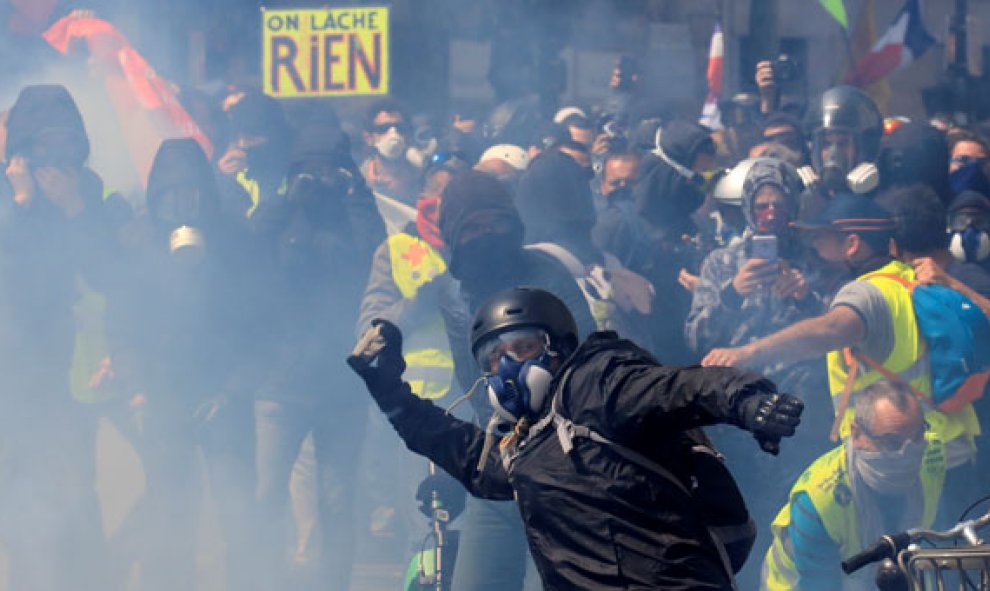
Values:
[(664, 197), (469, 194), (683, 140), (182, 163), (555, 199), (42, 108), (915, 152)]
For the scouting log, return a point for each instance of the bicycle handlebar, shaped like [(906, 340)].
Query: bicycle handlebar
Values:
[(888, 546), (885, 547)]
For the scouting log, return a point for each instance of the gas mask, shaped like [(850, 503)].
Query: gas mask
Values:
[(391, 144), (970, 240), (178, 211), (518, 386), (839, 175), (890, 472)]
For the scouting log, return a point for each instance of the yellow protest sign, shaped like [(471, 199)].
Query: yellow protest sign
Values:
[(325, 52)]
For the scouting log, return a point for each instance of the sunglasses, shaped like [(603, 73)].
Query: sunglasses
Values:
[(402, 128), (893, 441)]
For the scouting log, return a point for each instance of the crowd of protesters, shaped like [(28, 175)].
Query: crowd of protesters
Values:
[(213, 316)]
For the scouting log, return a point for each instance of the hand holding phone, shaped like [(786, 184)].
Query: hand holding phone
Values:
[(764, 247)]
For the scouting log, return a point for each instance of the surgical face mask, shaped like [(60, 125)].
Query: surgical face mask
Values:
[(391, 145), (890, 472)]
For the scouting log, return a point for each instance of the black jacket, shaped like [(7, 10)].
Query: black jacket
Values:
[(595, 520)]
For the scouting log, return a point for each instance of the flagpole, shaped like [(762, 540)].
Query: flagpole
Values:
[(849, 52)]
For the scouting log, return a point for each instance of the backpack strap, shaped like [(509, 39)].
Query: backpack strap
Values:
[(561, 254), (840, 412), (893, 377), (906, 283), (567, 430), (853, 358)]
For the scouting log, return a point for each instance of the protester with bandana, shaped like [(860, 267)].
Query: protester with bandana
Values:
[(408, 278), (741, 297), (886, 476), (483, 234)]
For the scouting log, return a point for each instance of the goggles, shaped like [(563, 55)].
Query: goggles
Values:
[(519, 345), (893, 441)]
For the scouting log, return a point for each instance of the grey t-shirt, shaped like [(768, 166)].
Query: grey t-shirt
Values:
[(868, 302)]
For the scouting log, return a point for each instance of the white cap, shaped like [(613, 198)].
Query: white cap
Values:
[(511, 154), (567, 112)]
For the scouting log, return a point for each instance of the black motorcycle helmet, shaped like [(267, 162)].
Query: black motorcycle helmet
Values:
[(848, 109), (525, 307)]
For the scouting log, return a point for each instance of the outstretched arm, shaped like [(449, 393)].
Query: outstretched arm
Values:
[(839, 327), (455, 445)]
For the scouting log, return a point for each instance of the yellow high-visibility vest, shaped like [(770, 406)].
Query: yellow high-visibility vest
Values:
[(907, 359), (429, 370), (826, 482)]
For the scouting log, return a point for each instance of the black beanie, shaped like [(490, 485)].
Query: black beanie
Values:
[(471, 193)]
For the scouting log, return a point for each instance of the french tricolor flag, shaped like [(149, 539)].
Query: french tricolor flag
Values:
[(904, 41), (711, 117)]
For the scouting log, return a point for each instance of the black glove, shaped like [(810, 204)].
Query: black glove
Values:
[(770, 416), (377, 358)]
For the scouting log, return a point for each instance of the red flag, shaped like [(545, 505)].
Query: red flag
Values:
[(146, 106)]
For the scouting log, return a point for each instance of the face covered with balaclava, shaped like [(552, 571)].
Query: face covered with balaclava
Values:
[(260, 129), (482, 230)]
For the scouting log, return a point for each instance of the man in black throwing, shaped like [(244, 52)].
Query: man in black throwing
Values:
[(602, 450)]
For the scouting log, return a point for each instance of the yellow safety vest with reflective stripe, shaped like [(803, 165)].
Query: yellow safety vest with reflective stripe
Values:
[(253, 189), (907, 359), (429, 370), (826, 482)]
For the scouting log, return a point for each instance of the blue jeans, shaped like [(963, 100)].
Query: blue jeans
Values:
[(493, 554), (337, 431)]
